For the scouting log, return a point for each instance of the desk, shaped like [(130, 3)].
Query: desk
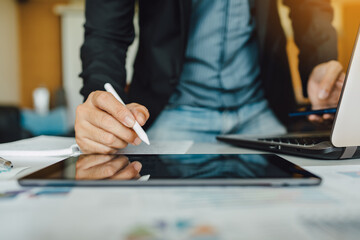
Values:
[(330, 211)]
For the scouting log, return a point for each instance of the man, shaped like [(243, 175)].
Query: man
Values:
[(207, 67)]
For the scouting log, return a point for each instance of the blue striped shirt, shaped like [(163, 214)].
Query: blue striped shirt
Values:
[(221, 69)]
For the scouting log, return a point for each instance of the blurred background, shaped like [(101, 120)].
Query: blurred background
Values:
[(39, 62)]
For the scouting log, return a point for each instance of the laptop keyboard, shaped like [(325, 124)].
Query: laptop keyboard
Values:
[(305, 141)]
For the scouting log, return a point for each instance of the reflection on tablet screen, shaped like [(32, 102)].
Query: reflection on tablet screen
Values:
[(196, 166)]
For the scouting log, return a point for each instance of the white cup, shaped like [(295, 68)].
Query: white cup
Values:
[(41, 98)]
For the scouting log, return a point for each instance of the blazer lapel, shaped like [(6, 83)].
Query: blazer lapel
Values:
[(261, 16), (185, 14)]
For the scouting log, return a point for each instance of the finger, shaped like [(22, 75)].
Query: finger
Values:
[(107, 102), (333, 100), (104, 170), (88, 161), (109, 169), (338, 84), (140, 112), (89, 146), (328, 116), (129, 172), (329, 79), (341, 78), (108, 123), (137, 165), (315, 118), (103, 137)]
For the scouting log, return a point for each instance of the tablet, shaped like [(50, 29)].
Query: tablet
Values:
[(173, 170)]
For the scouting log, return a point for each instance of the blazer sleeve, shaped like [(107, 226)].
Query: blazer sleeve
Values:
[(313, 34), (109, 31)]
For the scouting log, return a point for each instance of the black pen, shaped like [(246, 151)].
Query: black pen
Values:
[(5, 164), (317, 112)]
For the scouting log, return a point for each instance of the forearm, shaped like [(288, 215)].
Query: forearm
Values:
[(314, 34), (108, 33)]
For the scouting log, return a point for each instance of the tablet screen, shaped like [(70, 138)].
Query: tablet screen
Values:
[(166, 169)]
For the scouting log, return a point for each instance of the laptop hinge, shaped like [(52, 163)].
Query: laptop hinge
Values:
[(348, 152)]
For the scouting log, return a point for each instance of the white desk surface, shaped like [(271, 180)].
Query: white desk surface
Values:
[(329, 211)]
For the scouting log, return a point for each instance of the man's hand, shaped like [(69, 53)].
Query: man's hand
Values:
[(104, 125), (324, 88)]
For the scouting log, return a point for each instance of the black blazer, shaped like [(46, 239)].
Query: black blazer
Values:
[(164, 28)]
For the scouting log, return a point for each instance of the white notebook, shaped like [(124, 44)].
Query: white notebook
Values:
[(42, 146)]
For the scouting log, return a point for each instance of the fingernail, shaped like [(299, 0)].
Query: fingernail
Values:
[(137, 141), (323, 94), (129, 121), (141, 118), (137, 166)]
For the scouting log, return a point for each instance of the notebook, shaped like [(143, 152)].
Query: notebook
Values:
[(41, 146)]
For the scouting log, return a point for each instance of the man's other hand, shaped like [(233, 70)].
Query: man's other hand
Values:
[(324, 88), (104, 125)]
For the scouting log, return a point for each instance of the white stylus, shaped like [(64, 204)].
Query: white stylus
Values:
[(144, 178), (137, 128)]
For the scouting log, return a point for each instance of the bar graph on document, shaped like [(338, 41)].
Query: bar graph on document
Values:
[(178, 229), (355, 174)]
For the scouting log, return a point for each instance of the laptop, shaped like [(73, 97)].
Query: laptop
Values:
[(341, 143)]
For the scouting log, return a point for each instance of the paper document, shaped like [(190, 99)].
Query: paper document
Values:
[(8, 174), (47, 146), (192, 213), (42, 146), (337, 174), (158, 147), (344, 179)]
